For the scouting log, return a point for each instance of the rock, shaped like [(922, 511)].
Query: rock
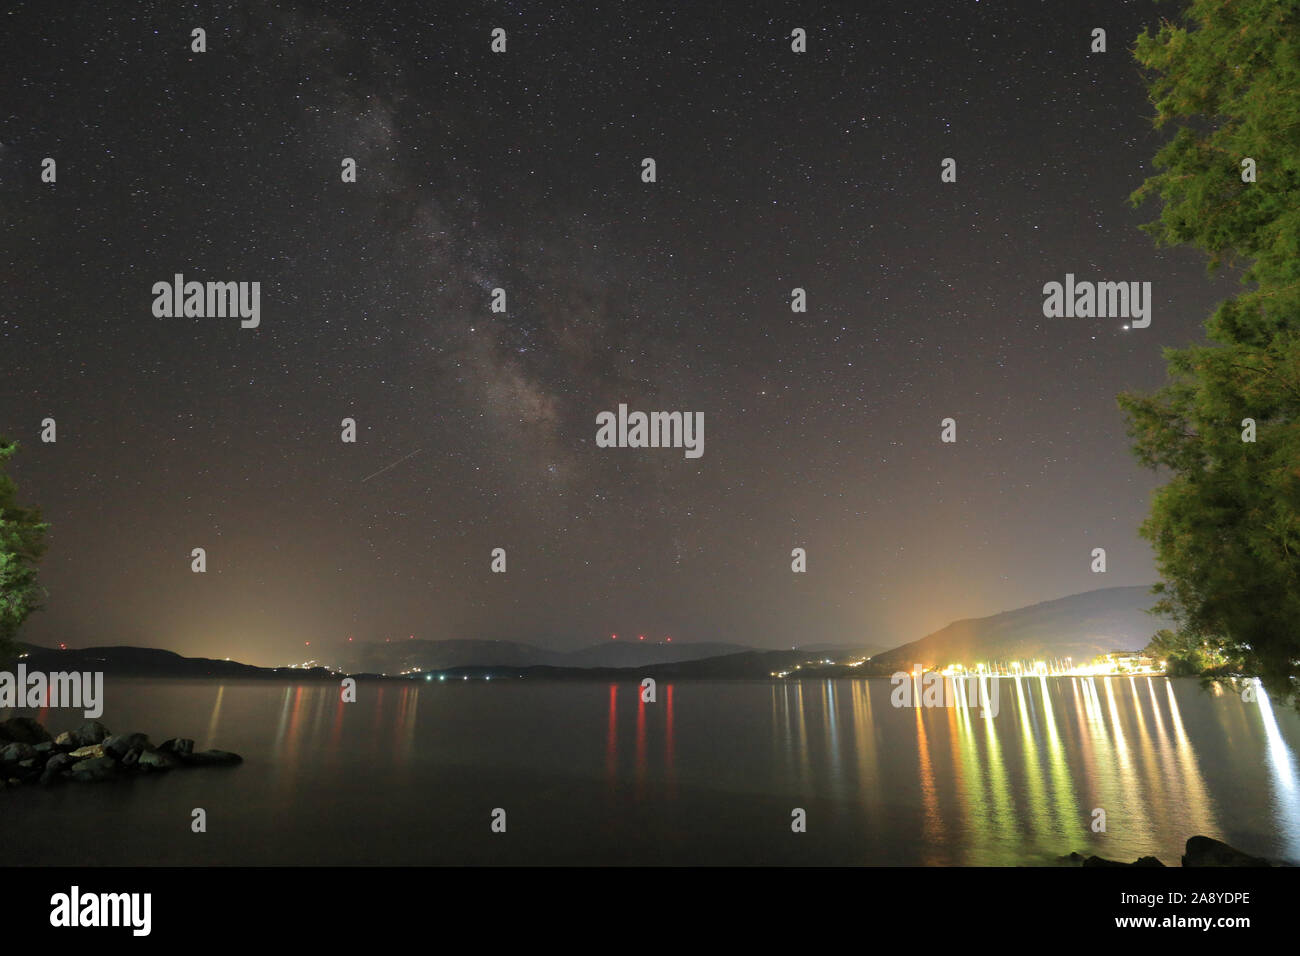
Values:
[(17, 751), (94, 763), (59, 762), (1204, 851), (23, 730), (157, 760), (96, 768), (213, 758), (119, 744), (91, 732), (1140, 861), (54, 768), (91, 753)]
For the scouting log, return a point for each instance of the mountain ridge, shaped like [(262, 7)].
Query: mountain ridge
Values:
[(1078, 626)]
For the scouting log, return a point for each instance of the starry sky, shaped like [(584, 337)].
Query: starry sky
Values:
[(522, 170)]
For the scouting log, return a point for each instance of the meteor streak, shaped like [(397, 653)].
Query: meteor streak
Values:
[(393, 465)]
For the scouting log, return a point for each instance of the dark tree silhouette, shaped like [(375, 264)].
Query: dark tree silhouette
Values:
[(22, 543), (1226, 527)]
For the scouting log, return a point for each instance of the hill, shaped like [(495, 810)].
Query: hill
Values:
[(1079, 626), (125, 661), (421, 655)]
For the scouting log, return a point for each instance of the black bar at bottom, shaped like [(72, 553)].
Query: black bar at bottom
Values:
[(660, 906)]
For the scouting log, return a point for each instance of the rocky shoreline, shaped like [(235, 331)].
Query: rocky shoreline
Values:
[(1200, 851), (90, 754)]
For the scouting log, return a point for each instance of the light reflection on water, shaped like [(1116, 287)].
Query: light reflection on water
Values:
[(708, 772), (1032, 777)]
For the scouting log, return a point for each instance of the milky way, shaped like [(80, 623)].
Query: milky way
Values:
[(521, 171)]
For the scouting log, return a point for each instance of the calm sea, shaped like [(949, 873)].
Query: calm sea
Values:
[(710, 773)]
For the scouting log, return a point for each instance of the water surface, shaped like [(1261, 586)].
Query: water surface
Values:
[(709, 773)]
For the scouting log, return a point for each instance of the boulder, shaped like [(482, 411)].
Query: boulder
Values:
[(23, 730), (1204, 851), (91, 732), (96, 768), (55, 768), (59, 762), (15, 752), (118, 745), (157, 760), (44, 747), (177, 745), (91, 750), (65, 740)]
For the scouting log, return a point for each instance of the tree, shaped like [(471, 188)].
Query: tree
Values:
[(1226, 527), (22, 544), (1189, 655)]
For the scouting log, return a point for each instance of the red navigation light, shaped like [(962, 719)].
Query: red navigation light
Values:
[(307, 643), (670, 640), (613, 637), (640, 637)]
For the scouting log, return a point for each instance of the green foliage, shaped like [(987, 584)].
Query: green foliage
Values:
[(22, 543), (1226, 527), (1189, 655)]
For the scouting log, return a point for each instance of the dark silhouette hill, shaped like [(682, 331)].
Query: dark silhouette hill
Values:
[(397, 657), (1080, 626), (149, 662)]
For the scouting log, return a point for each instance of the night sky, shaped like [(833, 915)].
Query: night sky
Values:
[(522, 170)]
